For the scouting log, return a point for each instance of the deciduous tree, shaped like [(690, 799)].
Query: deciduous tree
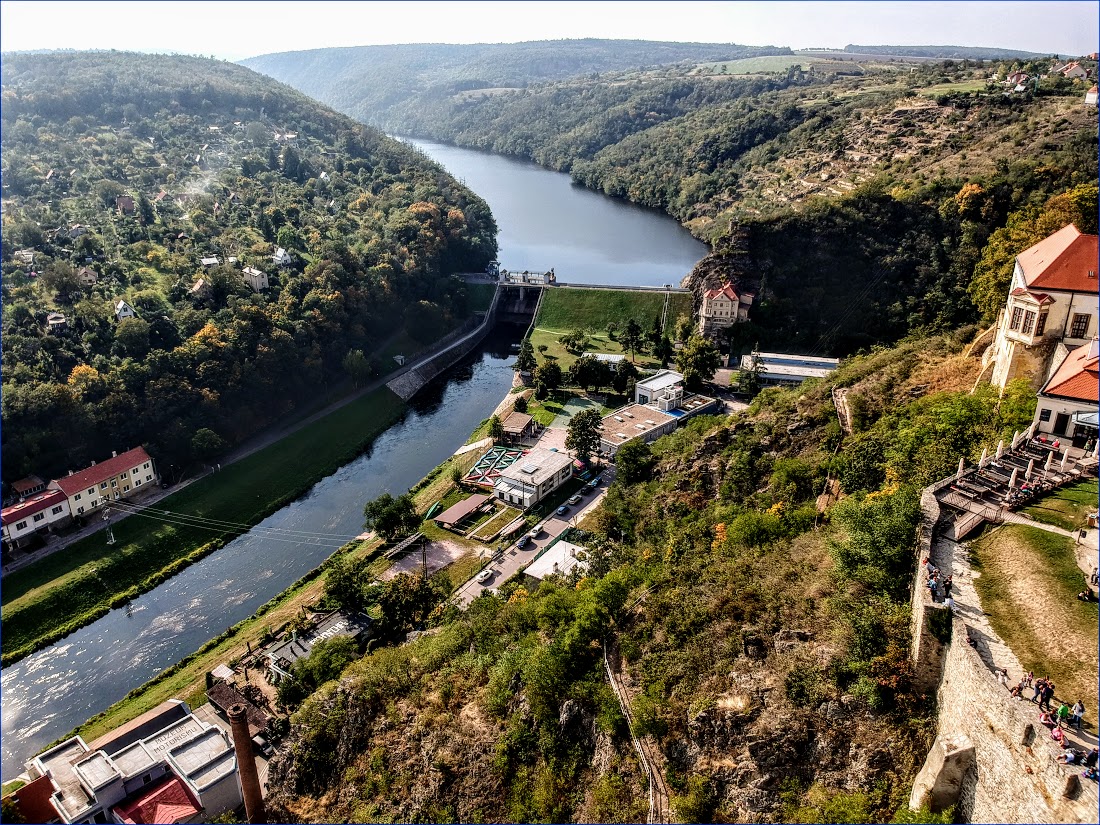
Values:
[(584, 433)]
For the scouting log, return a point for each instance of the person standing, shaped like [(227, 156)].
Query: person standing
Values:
[(1076, 712), (1038, 688), (1063, 714), (947, 585), (1048, 694), (1029, 678)]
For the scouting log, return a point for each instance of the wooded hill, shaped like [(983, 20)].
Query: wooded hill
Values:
[(833, 189), (121, 172), (365, 81)]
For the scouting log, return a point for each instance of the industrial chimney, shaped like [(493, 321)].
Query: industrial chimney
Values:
[(246, 765)]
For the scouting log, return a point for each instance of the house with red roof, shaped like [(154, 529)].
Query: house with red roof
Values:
[(119, 477), (1070, 394), (1052, 298), (1090, 96), (722, 308), (32, 515)]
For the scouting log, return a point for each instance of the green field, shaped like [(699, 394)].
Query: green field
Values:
[(1067, 507), (752, 65), (947, 88), (72, 588)]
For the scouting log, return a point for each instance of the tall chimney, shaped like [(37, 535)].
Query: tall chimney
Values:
[(246, 765)]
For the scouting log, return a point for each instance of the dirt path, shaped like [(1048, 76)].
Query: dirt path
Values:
[(437, 555)]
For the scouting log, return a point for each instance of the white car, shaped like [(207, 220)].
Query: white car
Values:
[(484, 576)]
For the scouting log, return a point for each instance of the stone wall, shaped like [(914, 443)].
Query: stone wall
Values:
[(927, 651)]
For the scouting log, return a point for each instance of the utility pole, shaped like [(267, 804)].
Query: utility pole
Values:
[(110, 532)]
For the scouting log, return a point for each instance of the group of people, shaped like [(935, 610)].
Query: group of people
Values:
[(939, 585)]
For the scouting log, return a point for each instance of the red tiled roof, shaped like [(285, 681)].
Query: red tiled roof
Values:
[(35, 504), (1038, 297), (33, 800), (726, 289), (28, 483), (1062, 261), (163, 804), (101, 472), (1078, 376)]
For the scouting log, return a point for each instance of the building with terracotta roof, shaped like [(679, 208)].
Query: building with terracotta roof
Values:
[(1070, 393), (1090, 96), (119, 477), (722, 308), (1052, 298), (33, 514)]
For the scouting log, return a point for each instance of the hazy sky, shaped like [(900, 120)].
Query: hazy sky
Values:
[(233, 30)]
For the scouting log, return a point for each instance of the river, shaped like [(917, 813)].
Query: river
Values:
[(544, 221)]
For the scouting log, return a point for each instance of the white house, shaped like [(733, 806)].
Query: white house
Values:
[(255, 278), (56, 322), (559, 560), (664, 390), (282, 258), (210, 261), (87, 276), (123, 310), (1052, 297), (722, 308), (119, 477), (1090, 97), (1071, 392), (1073, 71), (33, 514), (533, 477)]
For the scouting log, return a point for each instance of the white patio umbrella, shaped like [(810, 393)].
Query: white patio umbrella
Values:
[(1046, 464), (1031, 430), (1012, 480), (962, 469), (1015, 439), (1000, 448), (1065, 458), (1030, 469), (984, 458)]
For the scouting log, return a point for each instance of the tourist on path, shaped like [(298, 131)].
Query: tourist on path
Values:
[(1048, 694), (1063, 714), (1076, 713)]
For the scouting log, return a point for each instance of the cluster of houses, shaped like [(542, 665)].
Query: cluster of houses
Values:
[(1047, 333), (1020, 81), (46, 507)]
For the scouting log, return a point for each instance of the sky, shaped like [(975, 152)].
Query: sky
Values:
[(233, 30)]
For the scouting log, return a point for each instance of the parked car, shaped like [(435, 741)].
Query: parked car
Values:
[(525, 539), (574, 500), (484, 575), (561, 511)]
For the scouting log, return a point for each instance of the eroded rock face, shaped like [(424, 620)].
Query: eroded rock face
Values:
[(939, 782)]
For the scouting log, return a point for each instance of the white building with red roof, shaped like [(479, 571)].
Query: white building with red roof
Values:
[(1070, 394), (118, 477), (1052, 298), (722, 308), (33, 514)]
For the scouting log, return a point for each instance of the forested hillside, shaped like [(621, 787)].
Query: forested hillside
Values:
[(856, 198), (365, 81), (121, 172), (764, 639)]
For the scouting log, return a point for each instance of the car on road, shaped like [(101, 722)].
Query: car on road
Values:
[(574, 500), (524, 541), (561, 511), (593, 484), (484, 576)]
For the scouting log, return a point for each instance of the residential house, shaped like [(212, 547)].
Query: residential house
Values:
[(183, 771), (87, 276), (1090, 96), (1052, 297), (123, 310), (76, 230), (282, 655), (776, 368), (1073, 71), (282, 258), (533, 477), (28, 486), (1017, 78), (125, 205), (1070, 393), (255, 278), (33, 514), (119, 477), (56, 323), (722, 308), (200, 289), (25, 256), (634, 421), (209, 261)]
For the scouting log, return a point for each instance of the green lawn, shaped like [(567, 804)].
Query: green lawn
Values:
[(1067, 507), (947, 88), (751, 65), (566, 309), (72, 588), (1028, 587)]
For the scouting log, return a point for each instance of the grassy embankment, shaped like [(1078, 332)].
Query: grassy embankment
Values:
[(70, 589), (1028, 585), (1068, 507)]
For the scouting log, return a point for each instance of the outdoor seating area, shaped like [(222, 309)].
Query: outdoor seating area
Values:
[(486, 471)]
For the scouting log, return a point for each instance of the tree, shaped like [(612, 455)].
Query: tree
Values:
[(656, 331), (496, 429), (358, 366), (684, 328), (407, 599), (132, 334), (631, 339), (61, 278), (391, 517), (750, 378), (344, 582), (521, 404), (525, 361), (584, 433), (588, 371), (548, 374), (664, 351), (625, 372), (205, 444), (634, 462), (698, 361)]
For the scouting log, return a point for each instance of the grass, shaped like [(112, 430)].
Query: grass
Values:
[(1067, 507), (567, 309), (752, 65), (547, 410), (947, 88), (68, 590), (1028, 586)]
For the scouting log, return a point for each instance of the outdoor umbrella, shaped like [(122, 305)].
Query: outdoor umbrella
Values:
[(1065, 458), (984, 458), (1012, 480), (1030, 469), (962, 468), (1000, 448), (1046, 464)]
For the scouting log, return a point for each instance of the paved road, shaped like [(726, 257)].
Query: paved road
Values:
[(514, 558)]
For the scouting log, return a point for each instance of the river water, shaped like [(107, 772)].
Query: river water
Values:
[(545, 221)]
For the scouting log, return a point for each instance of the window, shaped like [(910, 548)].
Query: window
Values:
[(1017, 316), (126, 489), (79, 510), (137, 483), (1080, 326), (102, 486), (91, 491), (57, 510), (149, 477), (1044, 415), (39, 516), (76, 497), (146, 779), (145, 466), (1029, 322), (19, 525), (1040, 327), (114, 483)]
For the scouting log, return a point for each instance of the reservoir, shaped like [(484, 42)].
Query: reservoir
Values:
[(50, 692), (545, 220)]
